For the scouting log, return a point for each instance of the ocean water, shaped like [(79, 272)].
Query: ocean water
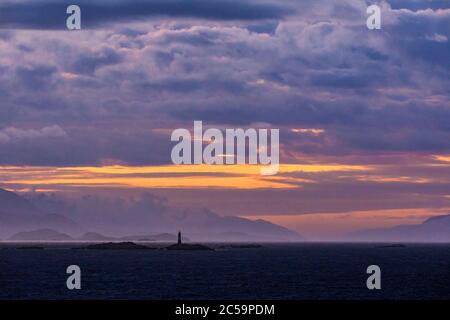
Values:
[(275, 271)]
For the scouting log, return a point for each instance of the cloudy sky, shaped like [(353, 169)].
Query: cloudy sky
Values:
[(364, 115)]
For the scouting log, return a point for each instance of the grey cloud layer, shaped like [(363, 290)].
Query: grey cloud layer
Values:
[(51, 14), (371, 91)]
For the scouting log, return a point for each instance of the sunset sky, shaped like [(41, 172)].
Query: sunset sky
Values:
[(364, 115)]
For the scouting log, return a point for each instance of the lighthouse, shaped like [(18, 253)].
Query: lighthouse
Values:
[(179, 237)]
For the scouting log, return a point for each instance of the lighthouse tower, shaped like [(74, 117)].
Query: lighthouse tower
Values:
[(179, 237)]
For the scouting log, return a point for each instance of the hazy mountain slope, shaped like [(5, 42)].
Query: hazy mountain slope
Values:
[(139, 218), (40, 235), (18, 214), (206, 225), (145, 214), (435, 229), (166, 237), (13, 204)]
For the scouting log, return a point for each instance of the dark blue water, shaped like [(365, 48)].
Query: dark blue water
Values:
[(301, 271)]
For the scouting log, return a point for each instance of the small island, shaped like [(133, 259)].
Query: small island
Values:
[(117, 246), (241, 246), (185, 246), (392, 245), (31, 248)]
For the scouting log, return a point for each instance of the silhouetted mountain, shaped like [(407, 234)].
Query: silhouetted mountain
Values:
[(94, 236), (117, 246), (41, 235), (148, 215), (18, 214), (435, 229), (163, 237), (207, 226)]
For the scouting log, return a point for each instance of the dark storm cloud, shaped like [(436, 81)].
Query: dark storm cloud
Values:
[(56, 146), (5, 35), (349, 125), (265, 27), (370, 91), (36, 77), (419, 4), (48, 14), (424, 36), (192, 85), (89, 62)]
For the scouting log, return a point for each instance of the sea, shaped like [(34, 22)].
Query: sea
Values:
[(307, 271)]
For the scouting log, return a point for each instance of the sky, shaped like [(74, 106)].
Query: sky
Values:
[(364, 115)]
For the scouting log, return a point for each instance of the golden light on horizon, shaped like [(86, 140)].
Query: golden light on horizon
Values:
[(168, 176), (443, 158)]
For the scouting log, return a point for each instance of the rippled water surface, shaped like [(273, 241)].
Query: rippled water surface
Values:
[(294, 271)]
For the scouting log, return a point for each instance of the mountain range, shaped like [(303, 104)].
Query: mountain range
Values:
[(24, 219), (52, 235), (435, 229), (18, 214)]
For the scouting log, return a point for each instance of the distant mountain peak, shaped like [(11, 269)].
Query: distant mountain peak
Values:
[(19, 214), (434, 229), (437, 218), (40, 235)]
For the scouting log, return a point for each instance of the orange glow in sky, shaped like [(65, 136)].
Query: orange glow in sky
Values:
[(170, 176)]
